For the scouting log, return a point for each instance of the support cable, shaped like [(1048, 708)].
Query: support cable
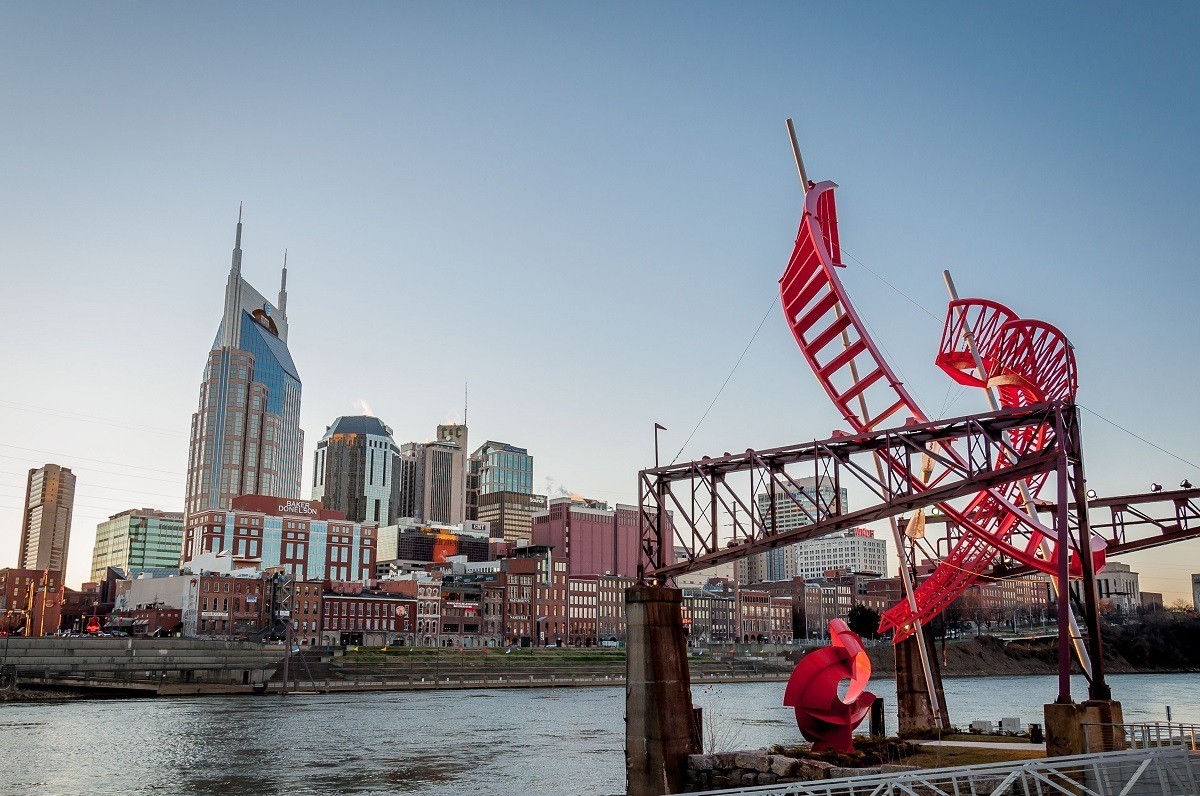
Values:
[(725, 383)]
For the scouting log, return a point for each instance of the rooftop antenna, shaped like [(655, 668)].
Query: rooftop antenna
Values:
[(466, 385), (237, 244), (282, 303)]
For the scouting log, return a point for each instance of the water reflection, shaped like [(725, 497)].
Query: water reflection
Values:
[(561, 741)]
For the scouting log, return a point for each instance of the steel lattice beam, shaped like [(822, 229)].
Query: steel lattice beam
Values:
[(693, 502)]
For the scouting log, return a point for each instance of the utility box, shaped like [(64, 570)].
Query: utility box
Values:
[(1010, 724), (981, 726)]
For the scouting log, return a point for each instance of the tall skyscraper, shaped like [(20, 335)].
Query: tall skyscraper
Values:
[(355, 470), (246, 436), (137, 539), (46, 526)]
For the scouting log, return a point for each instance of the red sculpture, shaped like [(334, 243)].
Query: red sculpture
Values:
[(1025, 361), (824, 718)]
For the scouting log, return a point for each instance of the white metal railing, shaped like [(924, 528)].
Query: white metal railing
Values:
[(1157, 771), (1144, 735)]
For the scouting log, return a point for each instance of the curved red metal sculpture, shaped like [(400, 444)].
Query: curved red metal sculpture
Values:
[(824, 718), (1026, 361)]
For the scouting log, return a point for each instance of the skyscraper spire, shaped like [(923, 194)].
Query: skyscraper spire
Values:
[(282, 303), (236, 266)]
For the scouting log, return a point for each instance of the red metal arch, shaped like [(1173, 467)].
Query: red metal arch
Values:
[(1026, 361)]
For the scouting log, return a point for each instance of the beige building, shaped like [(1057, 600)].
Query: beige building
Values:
[(46, 524), (433, 477)]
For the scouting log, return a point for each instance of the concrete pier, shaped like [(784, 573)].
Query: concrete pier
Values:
[(659, 731), (912, 694), (1066, 733)]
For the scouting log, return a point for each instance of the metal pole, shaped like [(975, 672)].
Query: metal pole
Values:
[(1097, 687), (1064, 584), (1081, 652), (796, 154)]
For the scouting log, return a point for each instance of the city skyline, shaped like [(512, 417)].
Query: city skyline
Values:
[(672, 204)]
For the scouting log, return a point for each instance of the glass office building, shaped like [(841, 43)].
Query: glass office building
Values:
[(245, 436), (137, 539), (504, 468)]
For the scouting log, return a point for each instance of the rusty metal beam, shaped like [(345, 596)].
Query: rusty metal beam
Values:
[(667, 493)]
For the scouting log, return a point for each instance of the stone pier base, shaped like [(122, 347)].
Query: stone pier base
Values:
[(659, 730), (1076, 729), (912, 694)]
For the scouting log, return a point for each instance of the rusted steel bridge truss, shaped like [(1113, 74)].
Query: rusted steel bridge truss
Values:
[(708, 509)]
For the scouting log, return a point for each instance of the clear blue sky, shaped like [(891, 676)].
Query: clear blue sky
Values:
[(584, 210)]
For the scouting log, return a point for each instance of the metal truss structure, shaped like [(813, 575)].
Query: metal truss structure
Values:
[(707, 508), (1128, 523)]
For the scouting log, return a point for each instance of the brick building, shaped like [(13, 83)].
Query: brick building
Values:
[(428, 594), (30, 601), (583, 603), (301, 537), (462, 610), (371, 618), (610, 608), (593, 539)]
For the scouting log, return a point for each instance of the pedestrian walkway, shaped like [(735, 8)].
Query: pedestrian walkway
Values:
[(984, 744)]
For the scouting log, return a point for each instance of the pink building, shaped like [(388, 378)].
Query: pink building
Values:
[(594, 539)]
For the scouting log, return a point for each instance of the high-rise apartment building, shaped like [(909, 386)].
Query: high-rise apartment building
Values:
[(1196, 592), (354, 470), (137, 539), (246, 436), (46, 524), (786, 510), (434, 477)]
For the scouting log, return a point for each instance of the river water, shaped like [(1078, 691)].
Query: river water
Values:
[(554, 741)]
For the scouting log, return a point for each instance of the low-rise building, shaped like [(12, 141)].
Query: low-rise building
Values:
[(428, 593), (353, 616), (781, 620), (611, 625), (30, 600), (462, 610), (754, 615), (583, 604)]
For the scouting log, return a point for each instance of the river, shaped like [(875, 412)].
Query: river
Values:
[(554, 741)]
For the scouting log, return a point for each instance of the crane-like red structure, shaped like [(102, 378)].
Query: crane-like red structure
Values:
[(984, 344)]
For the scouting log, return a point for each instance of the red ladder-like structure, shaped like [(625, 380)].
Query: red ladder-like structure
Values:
[(1025, 361)]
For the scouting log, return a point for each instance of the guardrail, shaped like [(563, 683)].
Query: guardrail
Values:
[(455, 681), (1161, 771), (1146, 735)]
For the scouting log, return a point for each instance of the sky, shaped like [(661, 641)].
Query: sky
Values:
[(583, 211)]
